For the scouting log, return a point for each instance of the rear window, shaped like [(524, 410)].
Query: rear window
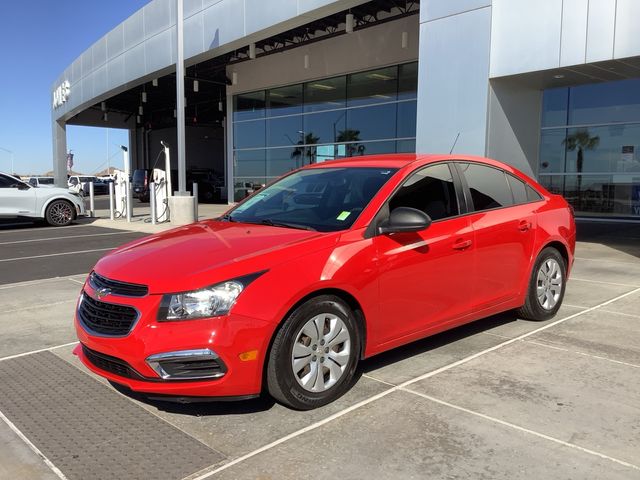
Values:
[(138, 176), (488, 186)]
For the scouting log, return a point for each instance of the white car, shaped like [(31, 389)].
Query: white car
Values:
[(46, 182), (77, 182), (58, 206)]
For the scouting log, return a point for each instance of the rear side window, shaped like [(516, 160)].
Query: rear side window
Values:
[(518, 189), (431, 190), (532, 195), (5, 182), (488, 186)]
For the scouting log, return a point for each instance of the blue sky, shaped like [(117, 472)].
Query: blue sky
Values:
[(38, 40)]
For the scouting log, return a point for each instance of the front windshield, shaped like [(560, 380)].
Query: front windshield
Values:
[(323, 199)]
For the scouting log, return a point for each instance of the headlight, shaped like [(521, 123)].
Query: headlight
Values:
[(206, 302)]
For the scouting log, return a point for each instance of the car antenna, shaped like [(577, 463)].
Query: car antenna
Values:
[(454, 144)]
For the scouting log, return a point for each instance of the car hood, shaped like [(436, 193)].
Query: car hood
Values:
[(207, 252)]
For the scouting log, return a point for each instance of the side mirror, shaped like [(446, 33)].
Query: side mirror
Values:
[(405, 219)]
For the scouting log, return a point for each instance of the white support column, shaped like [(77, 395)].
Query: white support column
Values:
[(229, 149), (59, 141)]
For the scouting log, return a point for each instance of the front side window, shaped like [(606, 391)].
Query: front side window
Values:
[(323, 199), (6, 182), (488, 186), (430, 190), (45, 181)]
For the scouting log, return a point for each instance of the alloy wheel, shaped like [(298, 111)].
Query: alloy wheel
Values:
[(549, 284), (61, 213), (321, 352)]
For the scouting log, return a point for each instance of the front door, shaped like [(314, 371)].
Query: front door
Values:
[(425, 277), (16, 201)]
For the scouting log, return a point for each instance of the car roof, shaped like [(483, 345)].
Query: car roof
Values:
[(399, 160)]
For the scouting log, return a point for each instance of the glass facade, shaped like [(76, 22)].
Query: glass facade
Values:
[(590, 147), (278, 130)]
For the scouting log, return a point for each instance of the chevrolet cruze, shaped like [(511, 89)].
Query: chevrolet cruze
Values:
[(328, 265)]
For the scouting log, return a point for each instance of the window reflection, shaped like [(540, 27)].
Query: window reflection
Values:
[(326, 125), (288, 127), (285, 100), (284, 131), (373, 123), (249, 106), (325, 94), (375, 86), (249, 134)]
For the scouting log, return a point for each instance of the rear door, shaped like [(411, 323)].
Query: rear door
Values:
[(504, 233), (426, 277)]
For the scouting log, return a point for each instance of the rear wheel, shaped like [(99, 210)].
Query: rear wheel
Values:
[(60, 213), (314, 354), (546, 286)]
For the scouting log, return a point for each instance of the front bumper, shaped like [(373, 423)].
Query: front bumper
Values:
[(227, 336)]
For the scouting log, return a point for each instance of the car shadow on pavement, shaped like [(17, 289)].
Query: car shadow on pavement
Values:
[(202, 408), (436, 341), (265, 402), (623, 237)]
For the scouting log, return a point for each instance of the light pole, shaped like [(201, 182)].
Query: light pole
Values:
[(12, 157)]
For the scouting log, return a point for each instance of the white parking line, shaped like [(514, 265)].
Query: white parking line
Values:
[(603, 260), (603, 283), (403, 386), (31, 306), (35, 449), (525, 430), (64, 238), (76, 281), (56, 254), (598, 357), (48, 349)]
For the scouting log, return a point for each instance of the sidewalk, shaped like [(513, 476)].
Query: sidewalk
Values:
[(141, 219)]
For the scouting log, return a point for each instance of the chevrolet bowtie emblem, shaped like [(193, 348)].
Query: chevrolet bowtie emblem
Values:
[(103, 292)]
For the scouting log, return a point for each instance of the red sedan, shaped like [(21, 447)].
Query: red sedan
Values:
[(330, 264)]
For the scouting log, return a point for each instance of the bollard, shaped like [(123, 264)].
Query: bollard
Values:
[(152, 200), (195, 204), (112, 214), (128, 205), (92, 200)]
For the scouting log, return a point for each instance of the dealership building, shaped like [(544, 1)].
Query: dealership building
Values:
[(551, 87)]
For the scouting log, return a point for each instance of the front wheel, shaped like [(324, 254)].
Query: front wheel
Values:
[(314, 355), (60, 213), (546, 286)]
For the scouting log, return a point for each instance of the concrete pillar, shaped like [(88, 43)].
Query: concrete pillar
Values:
[(59, 141), (182, 210)]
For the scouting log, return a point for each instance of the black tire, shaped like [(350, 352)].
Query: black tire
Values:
[(281, 380), (532, 308), (60, 213)]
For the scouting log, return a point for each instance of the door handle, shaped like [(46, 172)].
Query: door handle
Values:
[(462, 244), (524, 225)]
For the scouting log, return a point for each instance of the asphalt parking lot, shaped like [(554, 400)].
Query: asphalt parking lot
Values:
[(499, 398)]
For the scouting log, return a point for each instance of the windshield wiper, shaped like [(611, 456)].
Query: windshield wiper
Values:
[(228, 218), (268, 221)]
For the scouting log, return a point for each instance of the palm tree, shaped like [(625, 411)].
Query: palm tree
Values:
[(350, 135), (580, 141), (301, 150)]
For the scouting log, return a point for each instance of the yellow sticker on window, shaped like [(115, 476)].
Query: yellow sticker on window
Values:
[(343, 216)]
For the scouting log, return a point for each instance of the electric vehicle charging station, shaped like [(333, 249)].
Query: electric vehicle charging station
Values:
[(158, 196), (122, 189)]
